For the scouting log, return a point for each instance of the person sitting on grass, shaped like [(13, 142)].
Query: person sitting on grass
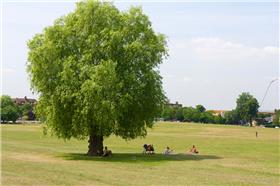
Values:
[(167, 151), (106, 152), (194, 150), (145, 146), (149, 149)]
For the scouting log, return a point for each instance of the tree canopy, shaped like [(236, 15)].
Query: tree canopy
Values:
[(276, 120), (247, 107), (231, 117), (9, 110), (25, 109), (200, 108), (96, 70)]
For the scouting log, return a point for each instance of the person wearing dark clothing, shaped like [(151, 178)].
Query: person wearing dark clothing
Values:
[(106, 152)]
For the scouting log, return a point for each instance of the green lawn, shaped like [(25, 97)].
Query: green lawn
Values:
[(229, 155)]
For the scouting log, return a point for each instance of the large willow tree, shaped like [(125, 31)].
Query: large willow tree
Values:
[(96, 71)]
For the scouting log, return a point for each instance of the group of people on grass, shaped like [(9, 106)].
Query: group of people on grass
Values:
[(168, 151), (149, 149)]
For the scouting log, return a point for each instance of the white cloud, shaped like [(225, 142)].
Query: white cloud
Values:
[(214, 42), (220, 50), (272, 50), (167, 75), (187, 79), (178, 78)]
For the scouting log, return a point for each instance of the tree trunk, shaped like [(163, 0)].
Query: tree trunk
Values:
[(95, 147), (251, 122)]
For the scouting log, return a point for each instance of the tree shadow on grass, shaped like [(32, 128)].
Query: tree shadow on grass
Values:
[(138, 157)]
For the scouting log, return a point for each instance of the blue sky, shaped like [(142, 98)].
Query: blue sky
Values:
[(216, 50)]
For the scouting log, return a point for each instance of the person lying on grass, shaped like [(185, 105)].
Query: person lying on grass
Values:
[(106, 152), (194, 150)]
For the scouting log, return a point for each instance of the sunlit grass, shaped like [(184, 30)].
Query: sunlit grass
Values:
[(229, 155)]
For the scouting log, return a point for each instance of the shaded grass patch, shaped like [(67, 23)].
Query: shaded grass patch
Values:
[(138, 157)]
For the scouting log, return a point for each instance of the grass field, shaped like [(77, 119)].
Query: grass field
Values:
[(229, 155)]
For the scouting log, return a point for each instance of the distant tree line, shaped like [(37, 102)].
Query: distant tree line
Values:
[(245, 112), (196, 114), (10, 111)]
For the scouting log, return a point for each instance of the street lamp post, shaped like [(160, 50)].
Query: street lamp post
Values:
[(270, 83)]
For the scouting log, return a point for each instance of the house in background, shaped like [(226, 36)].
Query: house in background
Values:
[(21, 101), (176, 104), (27, 115), (218, 112), (265, 117)]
